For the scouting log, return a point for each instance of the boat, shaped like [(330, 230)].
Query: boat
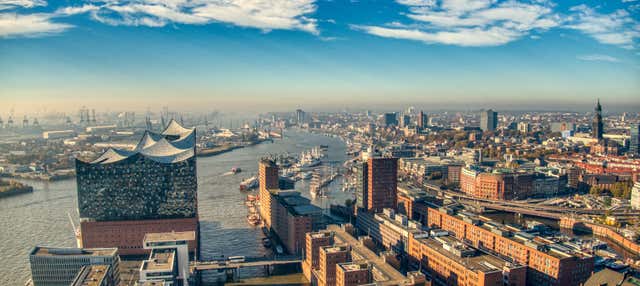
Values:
[(253, 219), (266, 242), (279, 249), (617, 265), (249, 183), (235, 170)]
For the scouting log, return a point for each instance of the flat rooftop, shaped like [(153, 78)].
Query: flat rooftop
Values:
[(63, 251), (393, 277), (91, 275), (354, 266), (479, 262), (160, 260), (170, 236), (554, 249), (336, 248), (321, 234)]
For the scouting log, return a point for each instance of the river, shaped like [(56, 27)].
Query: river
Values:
[(40, 218)]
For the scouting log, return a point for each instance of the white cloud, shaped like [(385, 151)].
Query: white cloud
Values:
[(32, 25), (468, 37), (10, 4), (262, 14), (618, 28), (598, 58), (469, 22)]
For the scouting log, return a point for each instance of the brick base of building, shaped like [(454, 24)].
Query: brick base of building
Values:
[(128, 235)]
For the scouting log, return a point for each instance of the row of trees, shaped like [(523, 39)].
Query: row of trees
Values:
[(620, 190)]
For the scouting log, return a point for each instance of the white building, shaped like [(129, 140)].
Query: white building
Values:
[(635, 196)]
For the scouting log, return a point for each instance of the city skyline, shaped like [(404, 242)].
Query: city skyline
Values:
[(262, 55)]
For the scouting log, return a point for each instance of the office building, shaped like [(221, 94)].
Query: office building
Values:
[(597, 128), (353, 274), (390, 119), (123, 194), (634, 141), (524, 127), (268, 180), (348, 261), (405, 120), (451, 262), (60, 266), (361, 174), (293, 217), (94, 275), (382, 183), (422, 120), (313, 242), (301, 116), (498, 185), (328, 259), (488, 120), (389, 229), (169, 258), (548, 262)]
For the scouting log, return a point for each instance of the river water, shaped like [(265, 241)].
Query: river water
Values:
[(40, 218)]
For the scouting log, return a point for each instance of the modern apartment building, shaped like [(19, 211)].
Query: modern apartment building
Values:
[(60, 266)]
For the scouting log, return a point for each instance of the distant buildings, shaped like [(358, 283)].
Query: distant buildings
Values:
[(390, 119), (61, 266), (122, 195), (634, 142), (488, 120), (597, 128), (422, 120), (496, 185)]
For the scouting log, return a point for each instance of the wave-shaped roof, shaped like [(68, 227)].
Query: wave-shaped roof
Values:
[(172, 145)]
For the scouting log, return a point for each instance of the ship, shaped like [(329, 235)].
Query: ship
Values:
[(248, 184)]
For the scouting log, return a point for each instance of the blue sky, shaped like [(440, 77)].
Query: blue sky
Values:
[(269, 54)]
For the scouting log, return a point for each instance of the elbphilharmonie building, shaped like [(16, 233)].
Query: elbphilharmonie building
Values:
[(124, 194)]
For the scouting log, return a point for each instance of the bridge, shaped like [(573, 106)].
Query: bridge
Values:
[(539, 210), (249, 262)]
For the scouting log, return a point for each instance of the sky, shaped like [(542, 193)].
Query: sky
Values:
[(259, 55)]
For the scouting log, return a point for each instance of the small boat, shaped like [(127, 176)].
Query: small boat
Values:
[(266, 242), (253, 219), (235, 170), (249, 183), (279, 249)]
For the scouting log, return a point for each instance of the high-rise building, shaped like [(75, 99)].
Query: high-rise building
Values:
[(634, 142), (382, 183), (123, 194), (362, 184), (301, 116), (390, 118), (488, 120), (268, 180), (60, 266), (524, 127), (405, 120), (422, 120), (597, 126)]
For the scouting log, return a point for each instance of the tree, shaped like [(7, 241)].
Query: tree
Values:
[(594, 190)]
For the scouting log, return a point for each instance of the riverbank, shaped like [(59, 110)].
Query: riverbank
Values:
[(207, 152), (13, 188)]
